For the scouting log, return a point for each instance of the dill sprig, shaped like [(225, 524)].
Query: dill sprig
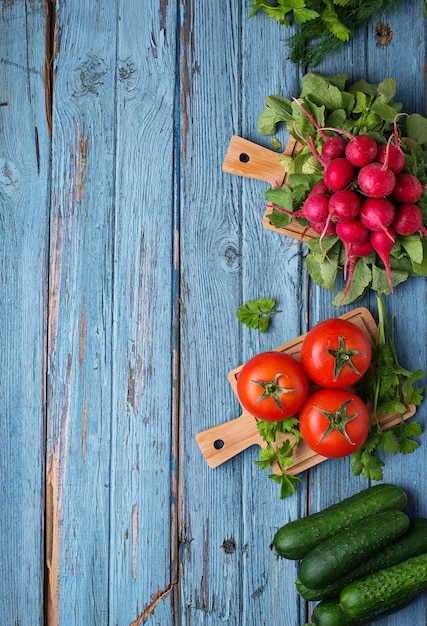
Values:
[(322, 26)]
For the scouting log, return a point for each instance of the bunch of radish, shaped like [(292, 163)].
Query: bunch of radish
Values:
[(366, 198)]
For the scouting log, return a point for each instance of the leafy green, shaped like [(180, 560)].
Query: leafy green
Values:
[(285, 8), (257, 313), (279, 219), (416, 126), (281, 438), (322, 25), (392, 389)]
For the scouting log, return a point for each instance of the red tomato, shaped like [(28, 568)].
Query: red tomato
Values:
[(336, 353), (334, 422), (272, 386)]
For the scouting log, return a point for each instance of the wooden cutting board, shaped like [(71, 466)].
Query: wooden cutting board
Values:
[(248, 159), (223, 442)]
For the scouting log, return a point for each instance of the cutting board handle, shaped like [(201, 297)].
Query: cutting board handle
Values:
[(221, 443), (245, 158)]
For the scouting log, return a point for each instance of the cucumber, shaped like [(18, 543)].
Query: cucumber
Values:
[(296, 538), (330, 613), (335, 557), (412, 543), (385, 589)]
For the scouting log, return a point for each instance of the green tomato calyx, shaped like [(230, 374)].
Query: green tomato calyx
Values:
[(272, 390), (343, 356), (338, 420)]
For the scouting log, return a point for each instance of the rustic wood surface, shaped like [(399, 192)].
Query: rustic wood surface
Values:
[(125, 252)]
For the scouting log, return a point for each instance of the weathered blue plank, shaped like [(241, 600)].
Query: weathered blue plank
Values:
[(230, 514), (79, 419), (112, 402), (24, 185), (211, 529), (143, 535)]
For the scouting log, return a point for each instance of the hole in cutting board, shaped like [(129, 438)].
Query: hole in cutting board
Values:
[(218, 444), (244, 158)]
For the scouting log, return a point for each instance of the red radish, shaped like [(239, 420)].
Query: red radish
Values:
[(344, 205), (409, 220), (364, 248), (319, 187), (376, 180), (392, 155), (407, 189), (360, 150), (351, 233), (338, 174), (333, 147), (382, 242), (315, 208), (325, 229), (358, 250), (377, 213)]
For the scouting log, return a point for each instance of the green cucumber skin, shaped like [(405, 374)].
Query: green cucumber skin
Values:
[(385, 589), (295, 539), (335, 557), (412, 543), (330, 613)]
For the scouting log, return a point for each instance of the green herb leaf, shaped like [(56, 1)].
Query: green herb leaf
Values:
[(386, 89), (322, 92), (278, 453), (332, 22), (279, 219), (413, 247), (304, 15), (392, 388), (322, 25), (278, 109), (362, 278), (286, 483), (416, 127), (257, 313), (369, 465)]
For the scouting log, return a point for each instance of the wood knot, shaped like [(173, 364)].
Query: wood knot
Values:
[(229, 546), (127, 74), (383, 34), (90, 76)]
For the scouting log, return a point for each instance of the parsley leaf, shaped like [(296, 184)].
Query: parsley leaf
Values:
[(257, 313), (281, 438), (392, 388)]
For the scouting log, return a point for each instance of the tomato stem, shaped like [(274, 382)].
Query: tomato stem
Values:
[(343, 357), (272, 389), (338, 420)]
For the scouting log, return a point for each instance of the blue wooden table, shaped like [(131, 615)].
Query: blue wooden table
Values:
[(125, 252)]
